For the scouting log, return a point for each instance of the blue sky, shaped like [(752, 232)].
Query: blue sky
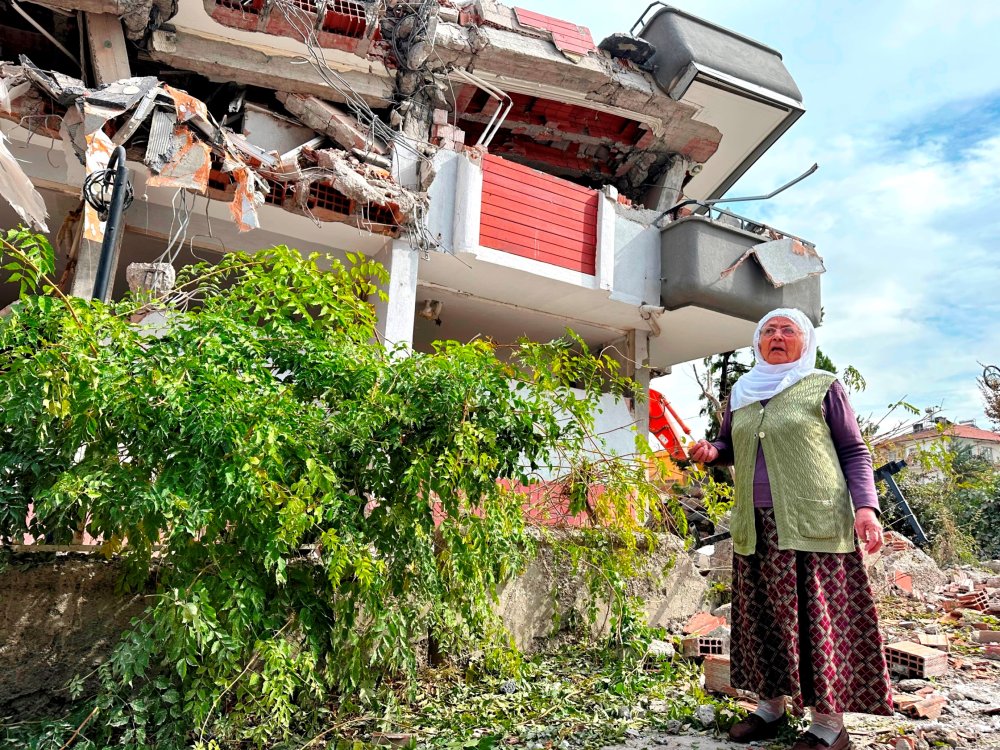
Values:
[(903, 116)]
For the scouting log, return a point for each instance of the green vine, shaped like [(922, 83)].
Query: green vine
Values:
[(302, 506)]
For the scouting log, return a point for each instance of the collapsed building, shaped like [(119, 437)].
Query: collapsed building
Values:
[(514, 176)]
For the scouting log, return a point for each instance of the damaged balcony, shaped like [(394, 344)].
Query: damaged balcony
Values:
[(718, 263)]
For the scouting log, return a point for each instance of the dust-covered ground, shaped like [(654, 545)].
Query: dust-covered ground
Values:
[(957, 610)]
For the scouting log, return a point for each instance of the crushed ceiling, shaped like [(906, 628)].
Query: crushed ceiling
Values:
[(184, 147)]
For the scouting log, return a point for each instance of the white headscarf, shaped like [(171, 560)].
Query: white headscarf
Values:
[(767, 381)]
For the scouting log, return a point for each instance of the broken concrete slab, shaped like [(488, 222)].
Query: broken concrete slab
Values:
[(784, 261), (219, 60), (327, 118)]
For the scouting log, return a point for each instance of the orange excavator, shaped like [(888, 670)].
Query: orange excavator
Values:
[(667, 426)]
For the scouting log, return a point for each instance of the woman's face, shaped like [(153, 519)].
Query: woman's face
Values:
[(781, 341)]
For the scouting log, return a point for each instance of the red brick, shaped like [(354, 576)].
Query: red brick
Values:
[(977, 601), (703, 622), (904, 581), (930, 708), (695, 646), (717, 675), (916, 660)]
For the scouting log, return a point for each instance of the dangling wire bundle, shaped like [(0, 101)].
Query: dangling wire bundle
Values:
[(97, 189)]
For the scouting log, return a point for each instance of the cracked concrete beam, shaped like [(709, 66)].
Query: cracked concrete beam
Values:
[(545, 132), (136, 14), (107, 47), (222, 61), (514, 56), (330, 120)]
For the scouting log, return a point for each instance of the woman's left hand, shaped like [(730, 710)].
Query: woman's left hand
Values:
[(868, 529)]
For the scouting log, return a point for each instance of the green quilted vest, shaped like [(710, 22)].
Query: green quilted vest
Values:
[(812, 507)]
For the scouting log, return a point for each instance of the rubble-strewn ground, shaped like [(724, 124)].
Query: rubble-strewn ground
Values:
[(576, 696), (918, 603)]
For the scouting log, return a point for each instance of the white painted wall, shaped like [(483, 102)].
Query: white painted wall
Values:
[(614, 431), (637, 262)]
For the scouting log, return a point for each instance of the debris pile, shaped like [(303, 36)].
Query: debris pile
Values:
[(185, 147), (942, 634)]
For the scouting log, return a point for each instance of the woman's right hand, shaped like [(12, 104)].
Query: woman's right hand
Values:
[(703, 452)]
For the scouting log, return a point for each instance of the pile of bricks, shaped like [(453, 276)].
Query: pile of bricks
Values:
[(897, 542), (446, 135), (925, 704)]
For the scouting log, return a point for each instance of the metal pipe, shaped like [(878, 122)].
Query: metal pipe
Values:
[(713, 201), (113, 226), (23, 13), (494, 124)]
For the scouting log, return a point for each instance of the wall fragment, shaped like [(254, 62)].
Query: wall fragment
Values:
[(16, 187)]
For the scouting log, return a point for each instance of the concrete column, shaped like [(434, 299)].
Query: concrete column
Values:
[(638, 370), (88, 254), (606, 219), (468, 202), (396, 316)]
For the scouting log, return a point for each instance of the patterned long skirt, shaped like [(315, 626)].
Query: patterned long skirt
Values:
[(805, 626)]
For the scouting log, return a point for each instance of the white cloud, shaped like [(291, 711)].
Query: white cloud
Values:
[(903, 116)]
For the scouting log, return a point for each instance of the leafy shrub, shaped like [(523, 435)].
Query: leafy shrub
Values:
[(308, 504)]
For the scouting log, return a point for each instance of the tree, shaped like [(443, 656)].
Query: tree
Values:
[(956, 496), (312, 505), (989, 386), (721, 371)]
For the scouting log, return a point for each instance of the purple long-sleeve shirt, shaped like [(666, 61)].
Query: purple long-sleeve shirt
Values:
[(855, 460)]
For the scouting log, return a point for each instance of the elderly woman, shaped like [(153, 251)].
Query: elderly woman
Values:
[(804, 624)]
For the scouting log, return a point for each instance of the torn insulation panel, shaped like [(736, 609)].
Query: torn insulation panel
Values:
[(180, 142), (189, 166), (99, 148), (250, 191)]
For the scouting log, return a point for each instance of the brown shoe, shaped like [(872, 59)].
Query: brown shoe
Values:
[(810, 741), (755, 727)]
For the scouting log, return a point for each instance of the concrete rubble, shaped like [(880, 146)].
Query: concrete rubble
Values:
[(942, 647), (184, 147)]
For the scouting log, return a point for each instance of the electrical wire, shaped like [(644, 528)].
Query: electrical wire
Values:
[(180, 219), (304, 25)]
